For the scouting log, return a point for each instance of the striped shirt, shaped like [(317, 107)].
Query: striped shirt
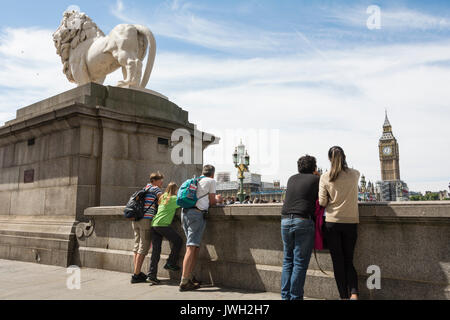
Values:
[(150, 199)]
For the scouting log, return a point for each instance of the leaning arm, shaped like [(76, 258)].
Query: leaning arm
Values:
[(212, 199)]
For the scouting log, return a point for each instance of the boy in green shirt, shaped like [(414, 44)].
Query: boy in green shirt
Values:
[(161, 229)]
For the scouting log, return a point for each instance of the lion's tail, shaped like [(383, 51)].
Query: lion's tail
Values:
[(151, 54)]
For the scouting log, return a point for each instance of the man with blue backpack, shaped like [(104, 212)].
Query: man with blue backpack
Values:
[(195, 196)]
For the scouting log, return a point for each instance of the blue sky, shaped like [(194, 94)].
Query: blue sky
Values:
[(322, 20), (310, 69)]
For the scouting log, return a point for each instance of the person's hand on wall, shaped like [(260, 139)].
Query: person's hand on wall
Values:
[(219, 199)]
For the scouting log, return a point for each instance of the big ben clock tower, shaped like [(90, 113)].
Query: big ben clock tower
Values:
[(391, 188), (389, 154)]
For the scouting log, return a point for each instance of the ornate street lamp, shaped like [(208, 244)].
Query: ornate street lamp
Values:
[(241, 162)]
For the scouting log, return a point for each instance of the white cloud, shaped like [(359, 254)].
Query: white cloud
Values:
[(5, 116), (316, 101), (182, 20), (31, 44), (30, 69), (410, 19), (177, 20), (392, 19)]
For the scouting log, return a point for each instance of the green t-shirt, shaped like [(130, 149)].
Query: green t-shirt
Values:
[(166, 212)]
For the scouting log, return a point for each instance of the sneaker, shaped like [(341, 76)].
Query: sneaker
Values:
[(195, 281), (137, 279), (189, 286), (153, 280), (171, 267), (143, 276)]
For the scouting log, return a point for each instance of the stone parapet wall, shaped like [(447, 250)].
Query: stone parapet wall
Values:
[(242, 248)]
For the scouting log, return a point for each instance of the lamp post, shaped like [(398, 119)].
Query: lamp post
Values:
[(241, 162)]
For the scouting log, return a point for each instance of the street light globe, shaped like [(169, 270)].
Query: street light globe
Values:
[(235, 157)]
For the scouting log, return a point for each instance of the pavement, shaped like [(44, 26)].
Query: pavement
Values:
[(32, 281)]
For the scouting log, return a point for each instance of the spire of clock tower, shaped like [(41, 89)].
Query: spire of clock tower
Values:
[(386, 120), (387, 129)]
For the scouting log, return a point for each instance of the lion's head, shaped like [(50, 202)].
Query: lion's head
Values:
[(74, 29)]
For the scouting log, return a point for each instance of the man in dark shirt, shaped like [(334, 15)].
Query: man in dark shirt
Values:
[(297, 227), (302, 192)]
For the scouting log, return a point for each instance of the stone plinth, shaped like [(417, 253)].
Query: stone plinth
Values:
[(90, 146), (242, 248)]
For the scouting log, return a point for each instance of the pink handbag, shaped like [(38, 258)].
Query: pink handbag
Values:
[(320, 220), (319, 236)]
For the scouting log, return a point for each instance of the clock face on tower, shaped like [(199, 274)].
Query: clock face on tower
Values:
[(387, 151)]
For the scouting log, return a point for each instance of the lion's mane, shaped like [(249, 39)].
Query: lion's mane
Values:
[(70, 38)]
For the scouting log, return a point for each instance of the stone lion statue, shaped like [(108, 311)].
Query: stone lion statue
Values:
[(89, 56)]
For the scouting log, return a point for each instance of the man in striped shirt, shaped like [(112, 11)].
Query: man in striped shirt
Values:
[(142, 228), (151, 202)]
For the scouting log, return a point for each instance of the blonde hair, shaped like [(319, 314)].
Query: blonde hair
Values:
[(171, 190), (338, 163)]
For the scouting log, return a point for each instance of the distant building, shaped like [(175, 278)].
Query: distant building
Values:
[(366, 192), (391, 188), (267, 185), (253, 186), (223, 177), (276, 184), (443, 195), (392, 191)]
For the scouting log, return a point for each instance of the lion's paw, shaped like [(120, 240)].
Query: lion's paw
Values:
[(123, 83)]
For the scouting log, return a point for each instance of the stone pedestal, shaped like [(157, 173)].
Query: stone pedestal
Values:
[(87, 147)]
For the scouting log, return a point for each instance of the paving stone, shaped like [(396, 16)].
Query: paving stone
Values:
[(31, 281)]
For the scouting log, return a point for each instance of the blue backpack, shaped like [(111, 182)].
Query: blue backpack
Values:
[(187, 194)]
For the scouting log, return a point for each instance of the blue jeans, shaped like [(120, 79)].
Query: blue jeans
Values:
[(298, 242)]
